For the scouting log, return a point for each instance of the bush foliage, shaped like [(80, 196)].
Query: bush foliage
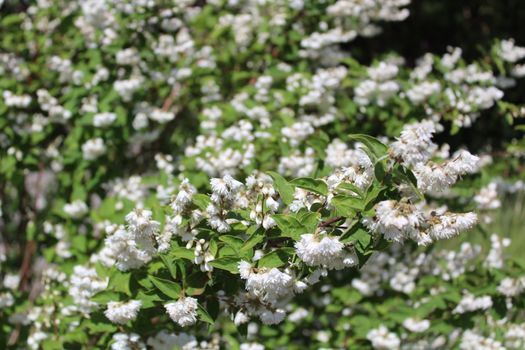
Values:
[(240, 174)]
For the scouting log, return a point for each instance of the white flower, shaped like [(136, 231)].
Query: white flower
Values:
[(272, 317), (415, 143), (382, 339), (511, 287), (298, 315), (251, 346), (135, 245), (416, 326), (121, 313), (437, 178), (170, 341), (471, 303), (161, 116), (6, 300), (509, 52), (219, 186), (495, 259), (93, 149), (487, 198), (396, 220), (420, 92), (473, 341), (101, 120), (450, 224), (13, 100), (125, 341), (76, 209), (325, 251), (183, 311), (240, 318), (85, 283), (184, 196), (245, 269), (11, 281)]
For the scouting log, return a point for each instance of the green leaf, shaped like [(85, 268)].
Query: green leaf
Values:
[(169, 263), (407, 176), (233, 241), (363, 237), (169, 288), (101, 327), (277, 258), (197, 279), (375, 146), (181, 252), (289, 226), (119, 282), (255, 238), (379, 171), (148, 300), (201, 201), (229, 264), (106, 296), (313, 185), (286, 191), (309, 221), (352, 188), (372, 195), (319, 142), (204, 315), (347, 206)]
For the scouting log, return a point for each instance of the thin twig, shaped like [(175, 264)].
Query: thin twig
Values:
[(331, 221)]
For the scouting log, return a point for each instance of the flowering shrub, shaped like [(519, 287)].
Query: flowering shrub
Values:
[(227, 175)]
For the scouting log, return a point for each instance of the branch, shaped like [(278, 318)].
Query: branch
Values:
[(331, 221)]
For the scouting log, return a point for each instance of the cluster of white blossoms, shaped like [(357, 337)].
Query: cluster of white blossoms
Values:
[(422, 91), (183, 311), (6, 299), (470, 340), (400, 269), (487, 198), (224, 193), (84, 284), (398, 221), (322, 44), (380, 87), (439, 177), (416, 326), (133, 245), (94, 148), (495, 258), (357, 169), (321, 250), (181, 206), (203, 254), (127, 341), (13, 100), (267, 289), (214, 158), (76, 209), (511, 287), (511, 52), (101, 120), (122, 312), (298, 164), (164, 340), (415, 145), (469, 303), (382, 339)]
